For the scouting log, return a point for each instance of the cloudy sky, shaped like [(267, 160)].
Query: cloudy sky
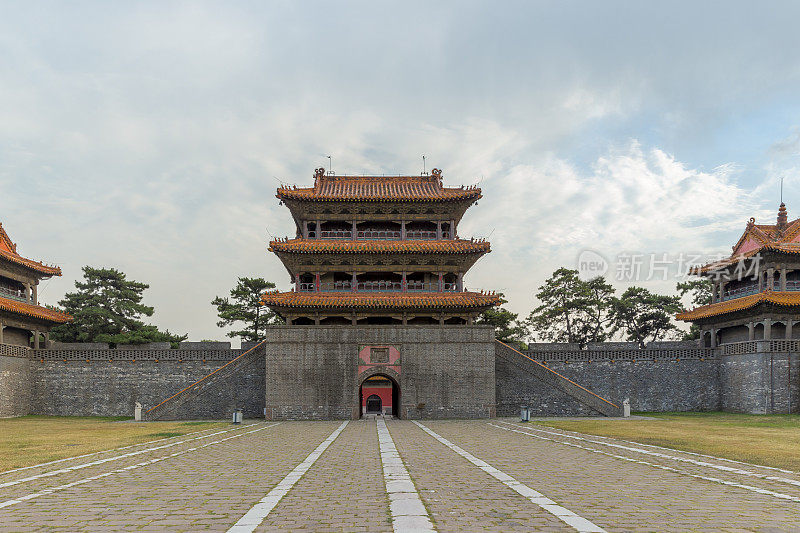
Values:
[(150, 137)]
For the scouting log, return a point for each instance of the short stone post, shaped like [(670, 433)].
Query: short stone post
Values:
[(626, 407), (137, 412)]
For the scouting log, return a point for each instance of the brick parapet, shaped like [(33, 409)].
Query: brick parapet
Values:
[(135, 355)]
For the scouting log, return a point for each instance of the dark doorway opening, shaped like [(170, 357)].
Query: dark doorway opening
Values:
[(374, 404)]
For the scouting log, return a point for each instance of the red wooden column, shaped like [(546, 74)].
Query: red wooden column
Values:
[(316, 282), (297, 283), (354, 283), (404, 284), (441, 282)]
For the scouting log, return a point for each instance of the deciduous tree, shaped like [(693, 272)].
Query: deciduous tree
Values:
[(571, 309), (700, 292), (643, 316)]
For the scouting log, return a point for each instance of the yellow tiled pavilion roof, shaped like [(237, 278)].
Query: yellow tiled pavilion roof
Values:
[(355, 300), (739, 304), (8, 251), (379, 188), (313, 246), (778, 237), (34, 311)]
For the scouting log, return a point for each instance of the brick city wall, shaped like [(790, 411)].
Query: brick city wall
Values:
[(445, 372), (667, 376), (15, 379), (761, 377), (96, 381)]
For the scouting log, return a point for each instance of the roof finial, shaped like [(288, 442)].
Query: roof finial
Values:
[(782, 219)]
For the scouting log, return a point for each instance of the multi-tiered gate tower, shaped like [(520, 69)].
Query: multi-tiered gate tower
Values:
[(375, 250)]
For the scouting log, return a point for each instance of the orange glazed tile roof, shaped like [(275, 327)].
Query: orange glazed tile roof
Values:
[(311, 246), (34, 311), (355, 300), (739, 304), (379, 188), (8, 251), (778, 237)]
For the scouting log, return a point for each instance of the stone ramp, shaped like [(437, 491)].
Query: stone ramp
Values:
[(550, 377), (208, 386)]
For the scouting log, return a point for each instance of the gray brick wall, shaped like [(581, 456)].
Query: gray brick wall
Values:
[(15, 390), (446, 372), (766, 382), (111, 388)]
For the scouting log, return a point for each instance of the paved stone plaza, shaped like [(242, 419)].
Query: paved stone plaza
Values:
[(368, 475)]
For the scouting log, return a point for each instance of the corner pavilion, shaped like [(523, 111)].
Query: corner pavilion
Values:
[(23, 322)]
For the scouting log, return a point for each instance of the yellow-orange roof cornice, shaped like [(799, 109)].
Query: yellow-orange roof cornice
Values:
[(740, 304), (424, 188), (313, 246), (34, 311), (398, 300), (8, 251)]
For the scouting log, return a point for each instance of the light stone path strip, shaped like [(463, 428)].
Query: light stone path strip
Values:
[(112, 450), (344, 490), (81, 466), (408, 512), (580, 524), (636, 449), (751, 488), (20, 499), (253, 518)]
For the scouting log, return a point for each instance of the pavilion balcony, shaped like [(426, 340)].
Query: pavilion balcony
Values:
[(377, 286), (752, 288), (13, 294), (331, 234), (419, 286), (378, 235)]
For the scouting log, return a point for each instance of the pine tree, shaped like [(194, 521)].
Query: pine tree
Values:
[(107, 307), (244, 305)]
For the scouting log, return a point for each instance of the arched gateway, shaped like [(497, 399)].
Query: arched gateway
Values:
[(379, 395), (378, 270)]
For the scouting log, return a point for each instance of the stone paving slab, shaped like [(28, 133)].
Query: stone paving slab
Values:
[(83, 467), (620, 495), (344, 491), (211, 488), (460, 497), (784, 483), (206, 490), (759, 469)]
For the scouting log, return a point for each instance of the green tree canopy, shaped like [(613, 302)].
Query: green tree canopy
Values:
[(698, 289), (700, 292), (244, 305), (507, 327), (644, 316), (572, 310), (107, 307)]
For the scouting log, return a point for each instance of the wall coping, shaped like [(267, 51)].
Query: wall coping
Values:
[(13, 350)]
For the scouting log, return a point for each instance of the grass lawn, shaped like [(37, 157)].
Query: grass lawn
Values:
[(771, 440), (30, 440)]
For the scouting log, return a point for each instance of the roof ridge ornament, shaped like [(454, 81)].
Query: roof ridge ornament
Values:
[(782, 219)]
